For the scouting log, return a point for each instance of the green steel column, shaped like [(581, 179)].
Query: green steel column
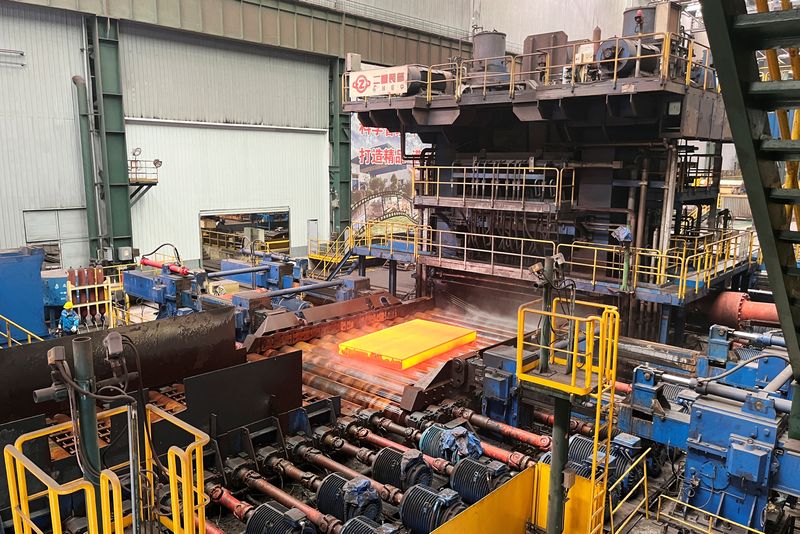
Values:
[(107, 92), (87, 409), (544, 327), (84, 118), (558, 462), (339, 139)]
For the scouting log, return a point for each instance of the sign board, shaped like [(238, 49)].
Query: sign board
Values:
[(379, 82)]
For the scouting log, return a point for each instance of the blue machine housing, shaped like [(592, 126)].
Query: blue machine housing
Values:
[(280, 275), (737, 453), (175, 294), (21, 290)]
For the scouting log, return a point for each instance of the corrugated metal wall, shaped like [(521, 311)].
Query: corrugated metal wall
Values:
[(178, 76), (220, 169), (39, 148)]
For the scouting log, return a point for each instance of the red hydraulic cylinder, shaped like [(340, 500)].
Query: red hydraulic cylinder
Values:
[(177, 269)]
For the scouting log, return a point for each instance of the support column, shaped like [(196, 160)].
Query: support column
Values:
[(362, 266), (794, 415), (339, 139), (83, 361), (544, 326), (87, 160), (716, 173), (667, 209), (663, 330), (107, 92), (393, 277), (558, 461)]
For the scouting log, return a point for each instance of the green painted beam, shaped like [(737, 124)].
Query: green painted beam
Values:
[(107, 90), (339, 139), (737, 69)]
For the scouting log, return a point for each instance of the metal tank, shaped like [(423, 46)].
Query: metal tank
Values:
[(486, 45), (629, 24)]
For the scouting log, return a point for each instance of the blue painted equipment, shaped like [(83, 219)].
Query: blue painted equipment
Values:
[(737, 450), (21, 292)]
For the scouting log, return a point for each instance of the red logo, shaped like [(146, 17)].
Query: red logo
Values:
[(361, 84)]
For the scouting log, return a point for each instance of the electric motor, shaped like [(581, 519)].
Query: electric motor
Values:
[(424, 509), (626, 52), (401, 470), (580, 469), (346, 499), (474, 480), (452, 444), (274, 518), (362, 525)]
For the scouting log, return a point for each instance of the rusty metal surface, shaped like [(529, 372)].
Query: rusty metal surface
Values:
[(170, 350)]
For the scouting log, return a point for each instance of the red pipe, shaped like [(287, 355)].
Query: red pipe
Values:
[(211, 528), (515, 460), (732, 309), (622, 387), (222, 496), (535, 440), (177, 269)]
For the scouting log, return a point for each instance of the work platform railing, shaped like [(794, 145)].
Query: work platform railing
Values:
[(494, 184), (12, 334), (685, 269), (575, 355), (700, 520), (184, 472), (666, 56), (235, 243)]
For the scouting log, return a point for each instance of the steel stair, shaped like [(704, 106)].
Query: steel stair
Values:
[(735, 36)]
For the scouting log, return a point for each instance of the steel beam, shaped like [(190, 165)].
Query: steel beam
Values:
[(339, 139)]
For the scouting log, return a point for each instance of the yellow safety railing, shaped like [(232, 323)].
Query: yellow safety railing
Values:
[(639, 506), (581, 356), (585, 347), (185, 480), (93, 298), (495, 183), (695, 524), (328, 253), (6, 331), (234, 243), (680, 59)]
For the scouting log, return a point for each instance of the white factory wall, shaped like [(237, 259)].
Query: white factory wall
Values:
[(225, 169), (40, 166), (169, 75), (208, 86)]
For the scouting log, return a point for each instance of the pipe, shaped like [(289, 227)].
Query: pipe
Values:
[(780, 379), (87, 162), (576, 426), (721, 390), (393, 277), (669, 198), (284, 467), (177, 269), (518, 434), (734, 309), (241, 510), (440, 465), (311, 455), (327, 524), (558, 461), (302, 289), (639, 232), (767, 339), (87, 408), (243, 270)]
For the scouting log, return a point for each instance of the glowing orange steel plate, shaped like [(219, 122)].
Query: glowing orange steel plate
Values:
[(405, 345)]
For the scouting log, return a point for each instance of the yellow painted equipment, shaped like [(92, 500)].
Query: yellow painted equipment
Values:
[(407, 344), (185, 473)]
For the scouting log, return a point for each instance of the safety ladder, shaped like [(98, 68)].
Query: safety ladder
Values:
[(604, 416), (327, 255), (735, 37)]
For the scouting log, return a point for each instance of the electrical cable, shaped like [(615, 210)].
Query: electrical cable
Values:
[(740, 365), (174, 249)]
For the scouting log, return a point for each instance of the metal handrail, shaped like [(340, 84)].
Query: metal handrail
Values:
[(696, 526), (642, 504), (11, 340), (493, 183), (675, 65), (189, 479)]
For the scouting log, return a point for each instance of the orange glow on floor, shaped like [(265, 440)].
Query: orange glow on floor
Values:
[(407, 344)]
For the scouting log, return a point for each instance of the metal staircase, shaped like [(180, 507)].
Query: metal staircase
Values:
[(735, 37)]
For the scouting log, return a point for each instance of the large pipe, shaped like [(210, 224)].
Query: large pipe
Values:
[(734, 309), (87, 408), (243, 270), (302, 289), (780, 379), (669, 198), (87, 161), (558, 461)]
